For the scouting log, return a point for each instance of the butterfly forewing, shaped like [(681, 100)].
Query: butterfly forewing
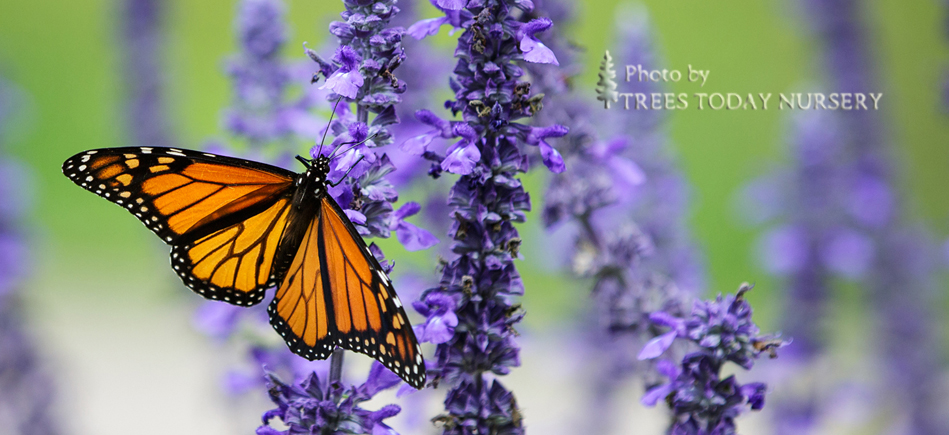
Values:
[(223, 216)]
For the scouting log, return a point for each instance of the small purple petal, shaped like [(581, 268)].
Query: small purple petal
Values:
[(665, 319), (380, 378), (410, 208), (427, 27), (346, 84), (452, 5), (414, 238), (267, 430), (355, 216), (657, 346), (462, 160), (533, 26), (417, 145), (652, 396), (552, 158), (536, 52)]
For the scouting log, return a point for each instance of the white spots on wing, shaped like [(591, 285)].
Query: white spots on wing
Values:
[(82, 167), (209, 155), (176, 153), (395, 300), (85, 158), (89, 178), (91, 152)]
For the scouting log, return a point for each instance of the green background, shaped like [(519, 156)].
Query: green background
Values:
[(90, 259)]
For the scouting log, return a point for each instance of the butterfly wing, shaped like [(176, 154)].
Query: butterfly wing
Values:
[(223, 216), (335, 293)]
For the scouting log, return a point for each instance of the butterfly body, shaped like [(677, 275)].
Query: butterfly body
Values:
[(238, 228)]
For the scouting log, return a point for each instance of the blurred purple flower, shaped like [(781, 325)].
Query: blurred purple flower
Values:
[(26, 387), (147, 114), (843, 207), (264, 109)]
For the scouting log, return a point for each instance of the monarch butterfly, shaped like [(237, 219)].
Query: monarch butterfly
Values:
[(238, 227)]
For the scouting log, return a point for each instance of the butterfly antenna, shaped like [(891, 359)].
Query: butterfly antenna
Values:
[(320, 151), (353, 143)]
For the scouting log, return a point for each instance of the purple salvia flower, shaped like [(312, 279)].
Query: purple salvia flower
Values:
[(719, 331), (26, 389), (471, 314), (147, 117), (362, 72), (805, 247), (317, 405)]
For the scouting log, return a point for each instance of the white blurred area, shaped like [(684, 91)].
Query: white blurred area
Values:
[(128, 360)]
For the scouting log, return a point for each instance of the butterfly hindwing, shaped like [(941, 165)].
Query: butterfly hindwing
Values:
[(235, 264), (335, 293)]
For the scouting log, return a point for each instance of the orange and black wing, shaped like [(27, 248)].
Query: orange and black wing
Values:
[(223, 216), (335, 293)]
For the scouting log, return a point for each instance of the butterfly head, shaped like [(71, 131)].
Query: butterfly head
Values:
[(321, 166)]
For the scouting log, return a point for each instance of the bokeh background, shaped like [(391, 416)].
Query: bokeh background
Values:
[(113, 326)]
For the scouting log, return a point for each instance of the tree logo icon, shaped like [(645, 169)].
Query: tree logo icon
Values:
[(606, 87)]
